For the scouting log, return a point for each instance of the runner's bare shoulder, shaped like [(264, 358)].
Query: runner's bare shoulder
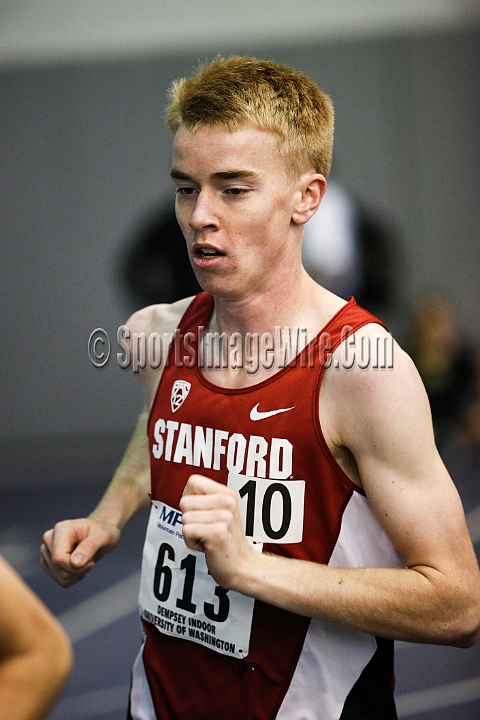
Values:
[(148, 333), (162, 318)]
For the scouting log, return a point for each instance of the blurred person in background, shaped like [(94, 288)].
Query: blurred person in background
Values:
[(35, 654), (471, 416), (154, 267), (331, 250), (447, 365)]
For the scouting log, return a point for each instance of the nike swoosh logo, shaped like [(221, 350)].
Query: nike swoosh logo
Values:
[(257, 415)]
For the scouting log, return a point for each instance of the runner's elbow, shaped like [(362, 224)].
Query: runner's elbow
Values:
[(464, 628), (469, 629)]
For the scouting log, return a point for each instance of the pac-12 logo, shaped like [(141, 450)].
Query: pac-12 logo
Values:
[(180, 390)]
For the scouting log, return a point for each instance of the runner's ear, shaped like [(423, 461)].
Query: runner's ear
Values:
[(310, 192)]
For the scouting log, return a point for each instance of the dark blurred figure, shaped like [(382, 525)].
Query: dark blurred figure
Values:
[(380, 254), (471, 418), (156, 268), (446, 363)]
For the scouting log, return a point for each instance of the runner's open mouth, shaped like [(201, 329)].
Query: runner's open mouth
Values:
[(208, 253)]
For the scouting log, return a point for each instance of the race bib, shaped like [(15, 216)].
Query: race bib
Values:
[(180, 598), (271, 511)]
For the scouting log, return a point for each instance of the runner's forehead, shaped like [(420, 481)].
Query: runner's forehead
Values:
[(223, 154)]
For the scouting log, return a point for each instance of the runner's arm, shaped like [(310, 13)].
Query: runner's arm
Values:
[(71, 549), (385, 422)]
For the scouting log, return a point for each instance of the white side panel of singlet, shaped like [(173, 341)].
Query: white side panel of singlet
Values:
[(333, 656), (141, 705)]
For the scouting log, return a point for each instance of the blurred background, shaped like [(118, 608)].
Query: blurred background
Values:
[(87, 237)]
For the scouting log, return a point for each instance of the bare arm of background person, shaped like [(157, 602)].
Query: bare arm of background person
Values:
[(35, 654), (71, 549)]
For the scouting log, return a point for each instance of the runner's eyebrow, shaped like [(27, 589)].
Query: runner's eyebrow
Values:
[(177, 174), (236, 174)]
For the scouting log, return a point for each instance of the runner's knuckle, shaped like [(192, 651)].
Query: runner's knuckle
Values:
[(230, 501), (57, 557)]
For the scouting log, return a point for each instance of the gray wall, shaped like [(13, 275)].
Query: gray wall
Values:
[(85, 154)]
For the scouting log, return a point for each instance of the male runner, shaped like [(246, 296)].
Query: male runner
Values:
[(301, 517)]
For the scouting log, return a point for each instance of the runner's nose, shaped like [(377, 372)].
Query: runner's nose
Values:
[(204, 214)]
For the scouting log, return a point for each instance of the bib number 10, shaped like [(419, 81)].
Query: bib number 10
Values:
[(271, 510)]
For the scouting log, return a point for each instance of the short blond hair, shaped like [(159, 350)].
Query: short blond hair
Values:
[(239, 91)]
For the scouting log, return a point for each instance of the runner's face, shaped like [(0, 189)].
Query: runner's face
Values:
[(234, 205)]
